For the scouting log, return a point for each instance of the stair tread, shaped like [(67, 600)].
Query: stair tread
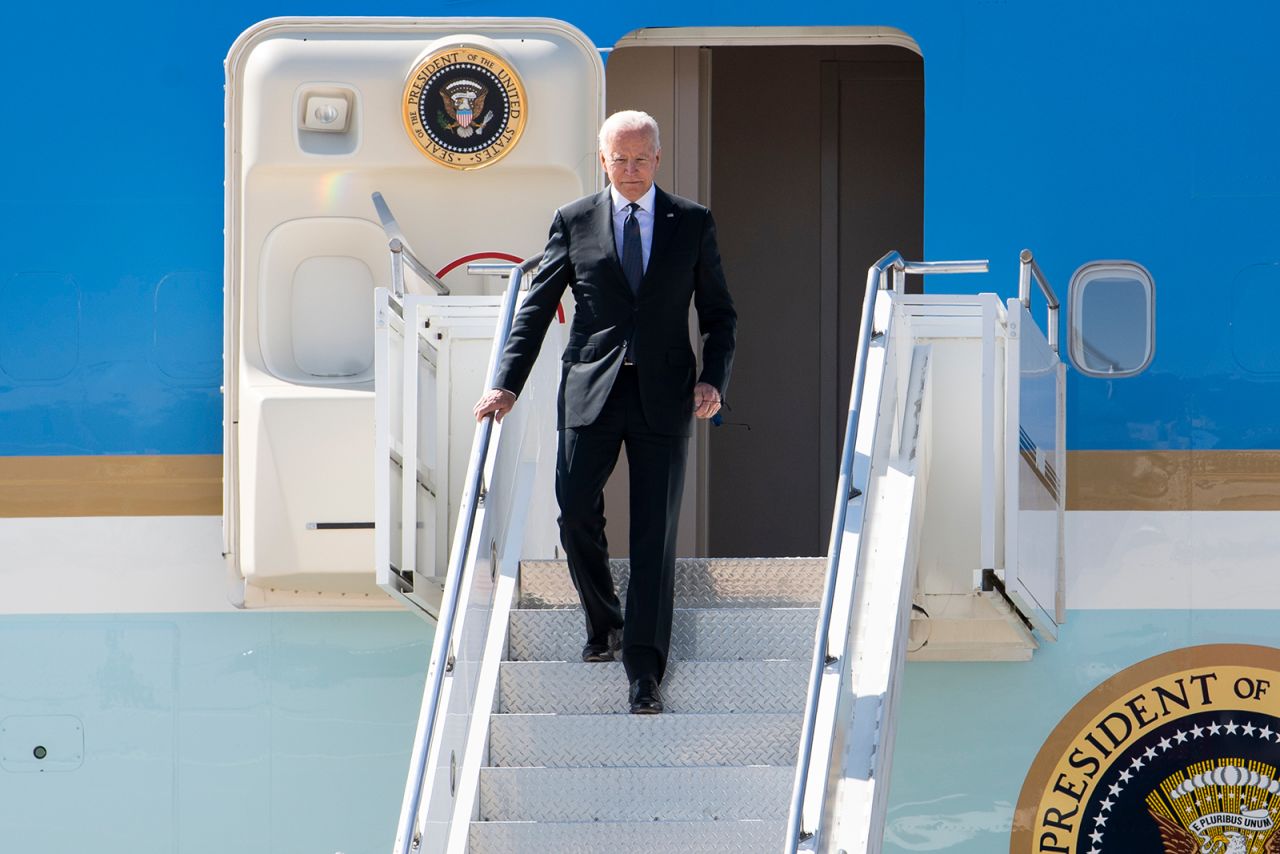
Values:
[(716, 582), (716, 634), (610, 794), (592, 837), (753, 738), (533, 687)]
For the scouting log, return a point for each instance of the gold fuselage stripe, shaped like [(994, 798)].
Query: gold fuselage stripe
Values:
[(1173, 480), (191, 485), (160, 485)]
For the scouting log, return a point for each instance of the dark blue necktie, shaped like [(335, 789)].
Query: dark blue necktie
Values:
[(632, 253)]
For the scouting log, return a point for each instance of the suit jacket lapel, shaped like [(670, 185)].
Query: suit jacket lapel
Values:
[(602, 225), (665, 218)]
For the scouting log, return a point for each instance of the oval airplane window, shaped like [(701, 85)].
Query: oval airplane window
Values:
[(1112, 318)]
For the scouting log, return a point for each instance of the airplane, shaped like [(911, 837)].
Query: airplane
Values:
[(998, 451)]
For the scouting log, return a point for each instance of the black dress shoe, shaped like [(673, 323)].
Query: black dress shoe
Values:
[(606, 651), (646, 699)]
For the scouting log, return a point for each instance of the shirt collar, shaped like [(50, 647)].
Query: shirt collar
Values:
[(646, 201)]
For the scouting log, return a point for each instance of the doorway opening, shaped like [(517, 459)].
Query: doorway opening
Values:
[(809, 148)]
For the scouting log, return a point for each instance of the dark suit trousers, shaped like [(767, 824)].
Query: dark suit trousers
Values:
[(656, 462)]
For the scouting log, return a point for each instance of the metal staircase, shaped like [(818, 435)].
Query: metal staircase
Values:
[(782, 687), (569, 770)]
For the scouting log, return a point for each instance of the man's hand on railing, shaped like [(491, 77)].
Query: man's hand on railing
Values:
[(497, 401)]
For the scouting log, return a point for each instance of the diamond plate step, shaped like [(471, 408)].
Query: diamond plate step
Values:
[(610, 794), (648, 837), (562, 741), (700, 582), (554, 687), (719, 634)]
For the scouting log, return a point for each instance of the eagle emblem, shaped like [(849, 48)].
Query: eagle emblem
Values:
[(464, 101), (1178, 840), (464, 107), (1218, 808)]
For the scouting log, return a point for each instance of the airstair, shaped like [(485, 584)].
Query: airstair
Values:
[(781, 696)]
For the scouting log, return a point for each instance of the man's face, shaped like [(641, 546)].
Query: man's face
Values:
[(630, 161)]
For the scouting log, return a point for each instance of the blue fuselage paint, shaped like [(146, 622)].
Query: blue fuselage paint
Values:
[(1082, 130)]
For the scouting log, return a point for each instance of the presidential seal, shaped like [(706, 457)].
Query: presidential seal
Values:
[(1178, 754), (464, 107)]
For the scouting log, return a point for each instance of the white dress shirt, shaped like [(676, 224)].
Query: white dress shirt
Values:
[(644, 215)]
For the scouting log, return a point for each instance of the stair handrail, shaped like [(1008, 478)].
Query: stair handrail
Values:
[(846, 492), (401, 254), (1028, 270), (472, 497)]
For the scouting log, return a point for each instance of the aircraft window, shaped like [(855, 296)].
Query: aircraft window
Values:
[(187, 345), (1112, 318)]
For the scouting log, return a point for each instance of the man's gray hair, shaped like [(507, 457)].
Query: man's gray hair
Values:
[(628, 121)]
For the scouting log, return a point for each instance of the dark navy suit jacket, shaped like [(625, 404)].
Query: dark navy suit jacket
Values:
[(684, 266)]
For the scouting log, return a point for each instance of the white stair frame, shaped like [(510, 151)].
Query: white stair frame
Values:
[(845, 801), (865, 709)]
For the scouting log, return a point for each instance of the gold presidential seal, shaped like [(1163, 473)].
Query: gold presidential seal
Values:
[(464, 107), (1177, 754)]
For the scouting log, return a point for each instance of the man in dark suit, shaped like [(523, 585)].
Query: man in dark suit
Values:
[(635, 257)]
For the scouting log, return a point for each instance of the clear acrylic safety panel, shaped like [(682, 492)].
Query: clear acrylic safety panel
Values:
[(1034, 472)]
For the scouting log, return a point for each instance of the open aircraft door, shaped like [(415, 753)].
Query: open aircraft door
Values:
[(473, 131)]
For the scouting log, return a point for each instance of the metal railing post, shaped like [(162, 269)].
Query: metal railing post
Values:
[(397, 268)]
